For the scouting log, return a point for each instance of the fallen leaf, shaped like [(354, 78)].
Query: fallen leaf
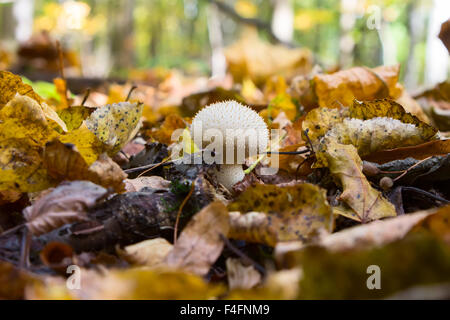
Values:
[(115, 124), (153, 182), (67, 203), (74, 116), (419, 152), (150, 253), (133, 283), (269, 214), (10, 84), (64, 162), (363, 203), (240, 276), (199, 245), (369, 126), (170, 124), (359, 83)]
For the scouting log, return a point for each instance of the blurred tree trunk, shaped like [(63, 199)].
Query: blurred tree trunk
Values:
[(218, 62), (7, 22), (416, 21), (347, 21), (23, 13), (283, 20), (121, 33)]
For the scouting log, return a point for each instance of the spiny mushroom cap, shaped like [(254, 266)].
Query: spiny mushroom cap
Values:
[(235, 121)]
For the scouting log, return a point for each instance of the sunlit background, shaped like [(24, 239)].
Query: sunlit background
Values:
[(110, 38)]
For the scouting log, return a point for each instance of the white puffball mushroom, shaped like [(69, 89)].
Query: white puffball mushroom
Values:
[(242, 131)]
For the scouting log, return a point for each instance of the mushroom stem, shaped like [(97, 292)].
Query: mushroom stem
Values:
[(229, 174)]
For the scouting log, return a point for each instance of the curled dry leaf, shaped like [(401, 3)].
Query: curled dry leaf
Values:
[(67, 203), (376, 233), (150, 253), (362, 202), (359, 83), (269, 214), (419, 152), (419, 242), (369, 126), (240, 276), (199, 245), (64, 162)]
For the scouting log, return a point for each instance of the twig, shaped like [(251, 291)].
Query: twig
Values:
[(426, 193), (155, 166), (180, 209), (86, 96), (130, 92), (309, 140), (61, 68), (288, 152), (407, 170), (242, 255)]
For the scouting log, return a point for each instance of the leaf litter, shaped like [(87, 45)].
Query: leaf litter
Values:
[(362, 179)]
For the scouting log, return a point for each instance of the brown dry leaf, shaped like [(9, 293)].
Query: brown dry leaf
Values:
[(359, 83), (8, 196), (153, 182), (419, 152), (269, 214), (66, 203), (64, 162), (199, 245), (362, 202), (240, 276), (444, 34), (150, 253), (107, 173), (253, 58), (376, 233)]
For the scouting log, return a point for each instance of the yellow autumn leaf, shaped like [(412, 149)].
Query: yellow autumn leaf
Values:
[(189, 145), (369, 126), (115, 124), (363, 203), (23, 118), (87, 143), (253, 58), (21, 166), (269, 214), (132, 283), (74, 116), (10, 84)]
